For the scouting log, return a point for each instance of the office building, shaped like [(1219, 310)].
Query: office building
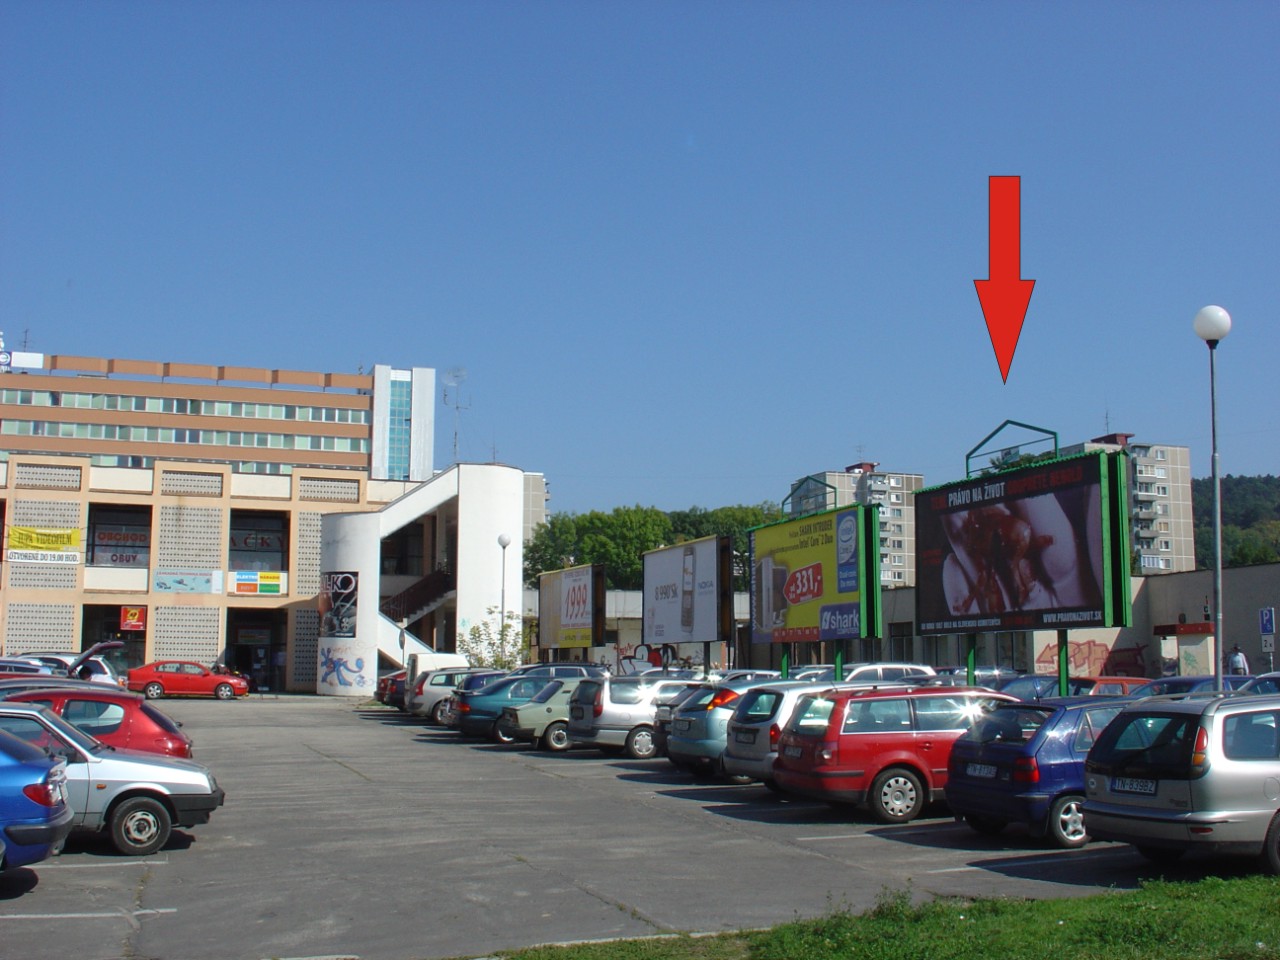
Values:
[(181, 507)]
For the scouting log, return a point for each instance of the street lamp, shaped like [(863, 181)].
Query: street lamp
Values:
[(504, 541), (1212, 324)]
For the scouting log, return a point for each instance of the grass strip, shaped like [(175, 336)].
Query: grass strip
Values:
[(1211, 919)]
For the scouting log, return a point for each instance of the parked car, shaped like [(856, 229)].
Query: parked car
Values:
[(25, 665), (185, 678), (426, 695), (885, 748), (663, 707), (478, 710), (448, 714), (384, 683), (116, 717), (699, 726), (1262, 683), (137, 798), (1024, 763), (888, 672), (982, 676), (1198, 772), (84, 664), (751, 738), (560, 668), (35, 817), (1038, 686), (544, 720), (1191, 684), (617, 712)]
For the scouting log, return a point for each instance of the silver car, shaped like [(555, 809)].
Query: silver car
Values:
[(426, 695), (751, 738), (136, 797), (618, 712), (1199, 772)]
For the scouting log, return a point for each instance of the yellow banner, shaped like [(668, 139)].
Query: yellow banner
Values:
[(36, 538)]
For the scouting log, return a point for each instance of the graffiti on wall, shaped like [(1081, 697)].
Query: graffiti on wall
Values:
[(1093, 658), (337, 671)]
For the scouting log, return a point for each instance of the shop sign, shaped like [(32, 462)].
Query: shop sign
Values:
[(133, 618)]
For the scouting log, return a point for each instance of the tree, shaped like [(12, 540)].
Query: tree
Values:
[(619, 539), (501, 646)]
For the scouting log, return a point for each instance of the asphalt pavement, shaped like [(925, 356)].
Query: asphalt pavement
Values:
[(351, 831)]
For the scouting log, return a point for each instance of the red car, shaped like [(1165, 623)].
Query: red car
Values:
[(884, 747), (117, 718), (183, 678)]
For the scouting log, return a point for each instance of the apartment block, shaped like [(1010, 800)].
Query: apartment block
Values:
[(866, 484)]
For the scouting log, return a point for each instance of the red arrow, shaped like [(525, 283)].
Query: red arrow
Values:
[(1005, 295)]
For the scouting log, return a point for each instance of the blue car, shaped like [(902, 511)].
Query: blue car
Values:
[(34, 816), (1024, 763), (479, 710)]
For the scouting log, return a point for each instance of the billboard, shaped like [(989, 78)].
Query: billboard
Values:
[(1039, 547), (816, 578), (41, 545), (571, 607), (688, 593)]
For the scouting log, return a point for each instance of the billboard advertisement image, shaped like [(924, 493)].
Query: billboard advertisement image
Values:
[(571, 607), (813, 578), (1040, 547), (687, 596)]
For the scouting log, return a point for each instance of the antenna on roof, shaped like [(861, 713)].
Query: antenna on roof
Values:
[(453, 379)]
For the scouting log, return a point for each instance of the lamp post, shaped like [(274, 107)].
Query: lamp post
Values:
[(504, 541), (1212, 324)]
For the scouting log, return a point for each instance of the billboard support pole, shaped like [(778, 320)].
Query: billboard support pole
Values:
[(838, 673), (1064, 657), (971, 659), (786, 661)]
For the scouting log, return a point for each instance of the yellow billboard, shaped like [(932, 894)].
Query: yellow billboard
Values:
[(810, 578), (39, 538)]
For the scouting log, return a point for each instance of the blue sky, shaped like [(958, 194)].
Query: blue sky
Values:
[(686, 252)]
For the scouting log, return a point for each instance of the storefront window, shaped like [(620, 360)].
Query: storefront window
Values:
[(119, 536)]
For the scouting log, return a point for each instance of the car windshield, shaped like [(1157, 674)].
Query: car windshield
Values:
[(758, 704), (811, 716), (547, 692), (1266, 684), (1015, 723), (1156, 745), (48, 726)]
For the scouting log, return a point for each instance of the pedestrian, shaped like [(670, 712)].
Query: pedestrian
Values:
[(1236, 662)]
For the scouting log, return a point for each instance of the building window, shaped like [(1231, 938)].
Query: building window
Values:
[(895, 512), (1162, 489), (119, 536), (1161, 454), (895, 498), (1166, 544), (258, 540)]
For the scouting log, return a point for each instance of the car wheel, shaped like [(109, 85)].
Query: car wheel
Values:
[(223, 691), (1066, 822), (153, 691), (1160, 854), (1271, 847), (140, 826), (896, 796), (437, 713), (556, 738), (499, 735), (987, 826), (640, 745), (773, 786)]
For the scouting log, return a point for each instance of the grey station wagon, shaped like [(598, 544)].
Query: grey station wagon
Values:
[(1202, 773)]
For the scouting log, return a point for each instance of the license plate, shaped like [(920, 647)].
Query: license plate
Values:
[(683, 725), (1133, 785), (792, 751), (576, 713), (980, 770), (744, 736)]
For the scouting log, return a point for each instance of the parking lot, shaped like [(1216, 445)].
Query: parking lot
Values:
[(351, 831)]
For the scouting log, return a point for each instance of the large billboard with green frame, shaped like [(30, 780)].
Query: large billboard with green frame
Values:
[(817, 578), (1044, 546)]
